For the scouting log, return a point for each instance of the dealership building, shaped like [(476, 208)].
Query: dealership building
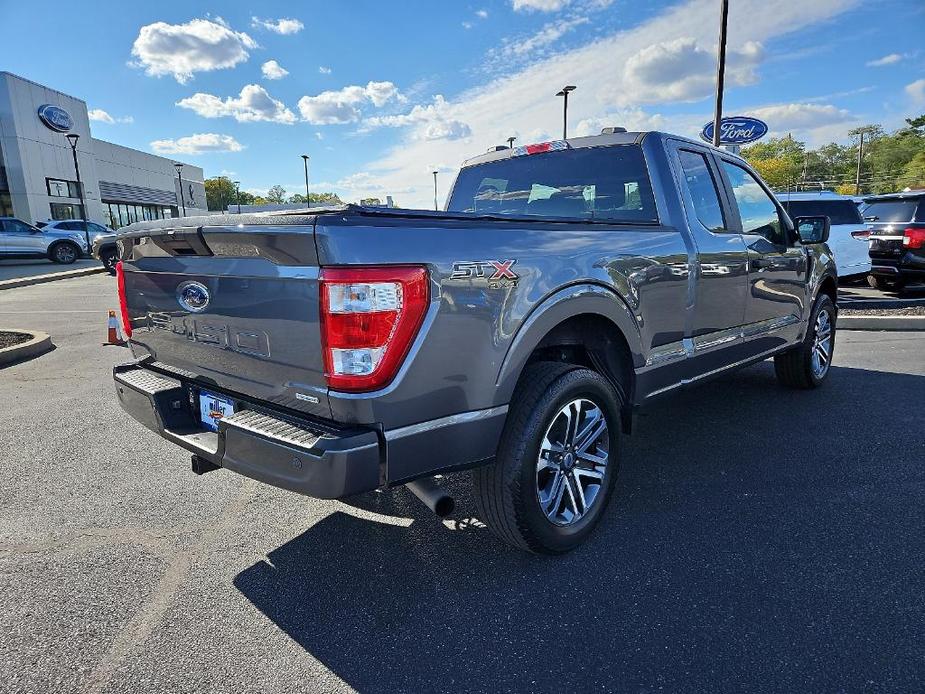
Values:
[(38, 180)]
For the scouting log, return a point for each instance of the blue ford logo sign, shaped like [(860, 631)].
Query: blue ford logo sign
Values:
[(55, 118), (737, 130), (193, 296)]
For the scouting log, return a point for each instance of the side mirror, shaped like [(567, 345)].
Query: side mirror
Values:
[(813, 229)]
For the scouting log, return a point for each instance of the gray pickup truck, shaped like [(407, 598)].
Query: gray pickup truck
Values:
[(512, 334)]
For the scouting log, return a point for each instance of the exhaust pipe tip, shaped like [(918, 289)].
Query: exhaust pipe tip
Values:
[(432, 496)]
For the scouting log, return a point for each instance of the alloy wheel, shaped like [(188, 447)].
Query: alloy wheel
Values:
[(572, 462), (822, 344)]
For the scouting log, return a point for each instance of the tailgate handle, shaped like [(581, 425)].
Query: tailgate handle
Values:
[(182, 242)]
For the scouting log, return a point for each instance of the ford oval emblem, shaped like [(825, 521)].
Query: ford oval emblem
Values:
[(193, 296), (736, 130), (55, 118)]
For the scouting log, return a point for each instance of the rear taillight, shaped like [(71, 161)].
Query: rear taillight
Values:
[(123, 304), (369, 318), (861, 235), (914, 238)]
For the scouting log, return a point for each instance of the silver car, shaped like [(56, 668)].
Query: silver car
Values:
[(18, 239)]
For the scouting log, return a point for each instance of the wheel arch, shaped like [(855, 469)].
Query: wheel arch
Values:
[(59, 242)]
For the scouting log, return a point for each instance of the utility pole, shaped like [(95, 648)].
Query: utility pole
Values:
[(435, 191), (72, 138), (305, 159), (564, 92), (720, 71), (857, 177)]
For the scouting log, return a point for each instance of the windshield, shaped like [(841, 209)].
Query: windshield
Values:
[(600, 183), (890, 210), (838, 211)]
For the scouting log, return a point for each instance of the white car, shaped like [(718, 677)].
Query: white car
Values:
[(849, 232), (75, 225)]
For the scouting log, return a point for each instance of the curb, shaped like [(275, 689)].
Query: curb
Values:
[(865, 322), (39, 344), (51, 277)]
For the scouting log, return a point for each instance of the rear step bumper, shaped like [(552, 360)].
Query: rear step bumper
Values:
[(297, 455)]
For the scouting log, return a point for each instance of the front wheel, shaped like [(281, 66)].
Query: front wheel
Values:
[(806, 365), (557, 461), (109, 260)]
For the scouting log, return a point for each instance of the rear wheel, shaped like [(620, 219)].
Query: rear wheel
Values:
[(807, 365), (64, 253), (557, 461), (884, 284)]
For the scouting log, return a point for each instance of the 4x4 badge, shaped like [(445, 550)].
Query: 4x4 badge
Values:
[(498, 273)]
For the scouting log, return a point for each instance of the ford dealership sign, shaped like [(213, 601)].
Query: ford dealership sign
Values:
[(56, 118), (736, 130)]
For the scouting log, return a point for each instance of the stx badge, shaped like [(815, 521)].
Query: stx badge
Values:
[(498, 273)]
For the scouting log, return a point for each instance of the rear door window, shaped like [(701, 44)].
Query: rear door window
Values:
[(702, 189), (838, 211), (593, 183)]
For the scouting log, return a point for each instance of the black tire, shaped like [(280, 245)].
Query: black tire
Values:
[(884, 284), (796, 368), (507, 491), (109, 258), (64, 253)]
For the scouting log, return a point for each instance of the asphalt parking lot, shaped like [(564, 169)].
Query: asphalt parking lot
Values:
[(759, 539), (14, 269)]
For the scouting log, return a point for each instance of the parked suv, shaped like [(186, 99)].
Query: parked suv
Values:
[(18, 239), (897, 239), (848, 232)]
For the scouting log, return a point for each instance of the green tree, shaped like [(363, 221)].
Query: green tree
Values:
[(917, 122), (220, 192), (276, 194), (316, 199), (779, 160)]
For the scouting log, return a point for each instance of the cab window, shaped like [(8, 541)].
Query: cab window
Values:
[(756, 207), (702, 189)]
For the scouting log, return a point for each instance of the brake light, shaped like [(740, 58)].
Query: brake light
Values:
[(914, 238), (369, 318), (540, 148), (123, 304)]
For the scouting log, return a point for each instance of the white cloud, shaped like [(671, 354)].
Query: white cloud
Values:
[(273, 70), (546, 36), (101, 116), (324, 70), (467, 25), (253, 104), (344, 105), (783, 118), (683, 70), (481, 14), (430, 122), (916, 90), (631, 119), (282, 26), (181, 50), (539, 5), (200, 143), (885, 60), (521, 102)]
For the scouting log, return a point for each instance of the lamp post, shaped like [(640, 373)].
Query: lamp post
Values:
[(720, 71), (305, 159), (179, 167), (564, 92), (72, 138), (510, 142), (237, 194), (435, 191)]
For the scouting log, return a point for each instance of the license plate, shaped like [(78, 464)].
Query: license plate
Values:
[(212, 408)]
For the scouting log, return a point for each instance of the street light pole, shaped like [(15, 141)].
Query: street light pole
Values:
[(237, 194), (510, 142), (305, 159), (435, 191), (179, 167), (564, 92), (720, 71), (72, 139)]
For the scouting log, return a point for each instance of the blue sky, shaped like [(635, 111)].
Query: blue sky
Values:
[(381, 93)]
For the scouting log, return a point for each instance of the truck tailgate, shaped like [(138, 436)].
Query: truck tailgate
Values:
[(233, 309)]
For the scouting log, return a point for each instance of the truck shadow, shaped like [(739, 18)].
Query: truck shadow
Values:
[(759, 537)]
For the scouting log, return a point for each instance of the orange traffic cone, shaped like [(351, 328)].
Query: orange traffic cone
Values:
[(112, 328)]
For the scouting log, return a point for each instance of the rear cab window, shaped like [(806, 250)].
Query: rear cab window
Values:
[(592, 183), (838, 211)]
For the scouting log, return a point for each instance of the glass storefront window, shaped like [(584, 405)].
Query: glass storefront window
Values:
[(118, 214)]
